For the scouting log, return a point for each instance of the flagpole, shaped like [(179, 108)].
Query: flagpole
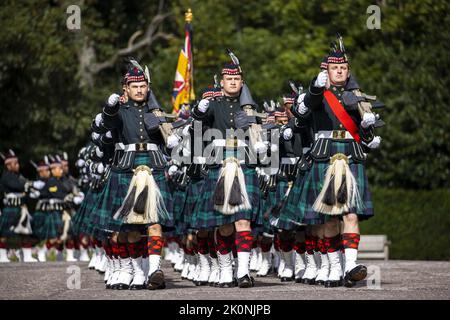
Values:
[(188, 17)]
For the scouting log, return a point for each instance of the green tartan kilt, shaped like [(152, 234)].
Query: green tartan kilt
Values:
[(193, 194), (81, 214), (179, 201), (113, 195), (205, 216), (306, 191), (47, 224), (9, 218)]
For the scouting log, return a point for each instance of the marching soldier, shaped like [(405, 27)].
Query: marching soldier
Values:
[(336, 187)]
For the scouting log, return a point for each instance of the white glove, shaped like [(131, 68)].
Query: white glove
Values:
[(375, 143), (100, 168), (34, 194), (274, 147), (108, 134), (172, 169), (203, 105), (95, 136), (38, 184), (301, 107), (287, 134), (260, 147), (98, 152), (80, 163), (172, 141), (321, 80), (113, 99), (186, 131), (98, 119), (79, 198), (369, 119)]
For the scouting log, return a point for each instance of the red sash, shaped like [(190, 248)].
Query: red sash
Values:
[(342, 115)]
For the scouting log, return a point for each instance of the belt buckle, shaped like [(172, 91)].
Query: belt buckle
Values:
[(231, 143), (338, 134), (141, 146)]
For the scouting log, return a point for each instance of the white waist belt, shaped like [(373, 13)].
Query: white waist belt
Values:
[(289, 160), (222, 143), (137, 147), (333, 134)]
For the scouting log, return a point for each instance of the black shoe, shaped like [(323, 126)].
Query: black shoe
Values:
[(137, 287), (298, 280), (156, 281), (320, 283), (286, 279), (108, 286), (201, 283), (246, 282), (226, 285), (308, 281), (333, 283), (358, 273), (122, 286)]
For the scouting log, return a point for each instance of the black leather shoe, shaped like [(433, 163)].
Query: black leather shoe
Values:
[(333, 283), (226, 285), (122, 286), (246, 282), (320, 283), (156, 281), (308, 281), (286, 279), (137, 287), (201, 283)]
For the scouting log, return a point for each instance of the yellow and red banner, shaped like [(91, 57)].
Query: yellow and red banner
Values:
[(183, 87)]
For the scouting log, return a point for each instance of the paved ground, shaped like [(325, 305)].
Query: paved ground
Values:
[(399, 280)]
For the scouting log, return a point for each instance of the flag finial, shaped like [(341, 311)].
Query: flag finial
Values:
[(188, 16)]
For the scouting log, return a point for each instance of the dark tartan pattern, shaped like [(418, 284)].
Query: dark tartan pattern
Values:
[(82, 214), (193, 194), (10, 217), (113, 194), (179, 201), (47, 224), (205, 216), (307, 189)]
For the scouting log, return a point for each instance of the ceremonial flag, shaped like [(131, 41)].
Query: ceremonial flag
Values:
[(183, 87)]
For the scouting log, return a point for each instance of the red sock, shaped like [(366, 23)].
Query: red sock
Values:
[(2, 245), (48, 244), (108, 248), (321, 246), (332, 244), (155, 245), (212, 247), (115, 249), (224, 244), (202, 245), (135, 249), (299, 247), (265, 246), (276, 243), (286, 245), (310, 244), (144, 244), (123, 250), (188, 251), (350, 240), (70, 244), (244, 241)]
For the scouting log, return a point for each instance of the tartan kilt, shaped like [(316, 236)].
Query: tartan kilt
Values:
[(193, 194), (81, 214), (205, 216), (10, 217), (113, 195), (307, 192), (47, 224), (179, 201)]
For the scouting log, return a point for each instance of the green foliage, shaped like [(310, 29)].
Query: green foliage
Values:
[(44, 107), (416, 222)]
